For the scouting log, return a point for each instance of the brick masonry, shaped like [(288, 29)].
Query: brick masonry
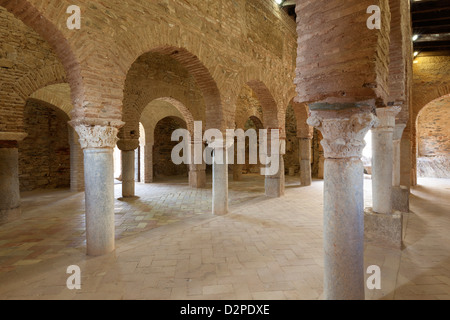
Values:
[(162, 150), (44, 156), (433, 133), (222, 44), (339, 59), (431, 87), (221, 47)]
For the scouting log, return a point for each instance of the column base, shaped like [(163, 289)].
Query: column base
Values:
[(237, 172), (9, 215), (197, 179), (400, 199), (383, 229), (220, 189), (274, 187), (148, 180), (305, 173)]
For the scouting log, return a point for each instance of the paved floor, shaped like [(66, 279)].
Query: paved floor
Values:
[(169, 246)]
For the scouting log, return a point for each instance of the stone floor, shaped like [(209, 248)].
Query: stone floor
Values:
[(169, 246)]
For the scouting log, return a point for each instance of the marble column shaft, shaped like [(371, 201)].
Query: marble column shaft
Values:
[(76, 163), (343, 142), (275, 184), (220, 178), (9, 176), (382, 160), (128, 147), (98, 143), (398, 132), (305, 161), (197, 167), (148, 163)]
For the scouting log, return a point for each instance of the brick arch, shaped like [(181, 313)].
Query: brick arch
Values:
[(177, 110), (257, 122), (420, 102), (187, 115), (270, 86), (268, 103), (38, 79), (35, 19), (52, 106), (423, 99), (252, 115), (187, 49), (442, 105), (133, 113), (56, 95)]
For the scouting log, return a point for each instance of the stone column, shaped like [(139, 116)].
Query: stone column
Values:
[(197, 168), (320, 173), (400, 194), (275, 184), (76, 163), (305, 161), (343, 141), (382, 224), (128, 147), (137, 163), (237, 167), (237, 172), (397, 137), (98, 143), (382, 159), (148, 163), (220, 177), (9, 176)]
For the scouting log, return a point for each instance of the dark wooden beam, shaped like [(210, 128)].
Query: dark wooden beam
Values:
[(429, 6), (435, 45), (431, 29), (434, 53), (431, 16)]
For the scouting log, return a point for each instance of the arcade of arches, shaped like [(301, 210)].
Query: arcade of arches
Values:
[(86, 177)]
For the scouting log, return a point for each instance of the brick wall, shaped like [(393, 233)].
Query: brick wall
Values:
[(431, 82), (339, 59), (154, 76), (162, 149), (27, 63), (218, 42), (44, 156), (433, 129)]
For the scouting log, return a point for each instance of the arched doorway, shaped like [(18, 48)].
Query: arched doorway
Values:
[(163, 166), (433, 139)]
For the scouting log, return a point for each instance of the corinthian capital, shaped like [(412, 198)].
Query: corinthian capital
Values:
[(386, 117), (128, 144), (343, 132), (97, 136)]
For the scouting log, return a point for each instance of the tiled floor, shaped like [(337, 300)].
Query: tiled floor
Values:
[(169, 246)]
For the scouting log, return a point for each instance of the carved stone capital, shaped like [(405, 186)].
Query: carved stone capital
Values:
[(343, 132), (398, 131), (386, 117), (128, 144), (97, 136)]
